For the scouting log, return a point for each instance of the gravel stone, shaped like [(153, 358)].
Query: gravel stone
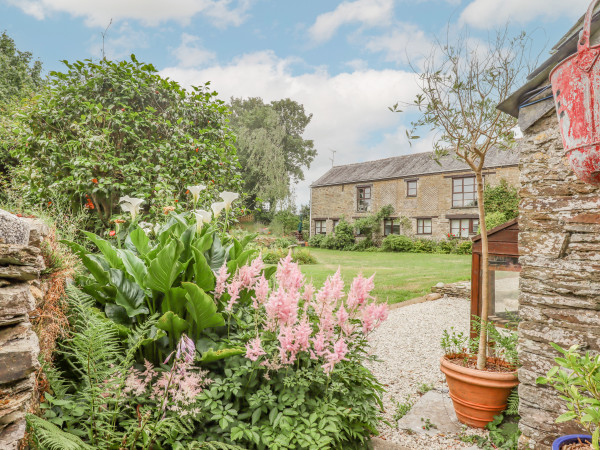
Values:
[(408, 343)]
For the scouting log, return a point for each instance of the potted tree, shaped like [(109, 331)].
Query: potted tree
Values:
[(460, 85), (577, 378)]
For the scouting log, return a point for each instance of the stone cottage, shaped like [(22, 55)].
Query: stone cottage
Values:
[(437, 199), (559, 242)]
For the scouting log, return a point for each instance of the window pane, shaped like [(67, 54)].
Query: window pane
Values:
[(469, 181), (455, 227), (427, 226), (457, 184), (475, 225), (367, 192), (387, 227)]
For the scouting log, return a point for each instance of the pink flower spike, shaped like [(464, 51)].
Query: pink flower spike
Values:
[(254, 349), (221, 284), (261, 291)]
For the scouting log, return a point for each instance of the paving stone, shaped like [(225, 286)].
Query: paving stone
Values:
[(435, 406)]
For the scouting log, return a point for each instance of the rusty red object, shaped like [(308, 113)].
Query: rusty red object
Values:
[(576, 87)]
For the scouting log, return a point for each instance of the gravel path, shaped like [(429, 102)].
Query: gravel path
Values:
[(408, 343)]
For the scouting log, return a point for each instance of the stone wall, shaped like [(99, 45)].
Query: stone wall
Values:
[(434, 199), (559, 241), (20, 265)]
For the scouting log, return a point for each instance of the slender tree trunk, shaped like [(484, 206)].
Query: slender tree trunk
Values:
[(485, 288)]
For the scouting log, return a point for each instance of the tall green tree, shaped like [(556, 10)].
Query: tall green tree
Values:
[(20, 77), (272, 151)]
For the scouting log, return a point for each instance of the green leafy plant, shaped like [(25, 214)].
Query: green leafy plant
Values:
[(424, 388), (370, 224), (169, 275), (99, 130), (577, 379), (402, 409), (316, 240)]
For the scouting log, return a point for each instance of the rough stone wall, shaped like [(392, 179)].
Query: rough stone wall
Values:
[(434, 199), (20, 265), (559, 300)]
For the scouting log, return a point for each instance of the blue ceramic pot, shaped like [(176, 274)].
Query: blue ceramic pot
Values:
[(569, 439)]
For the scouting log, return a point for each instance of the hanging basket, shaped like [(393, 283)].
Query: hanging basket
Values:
[(576, 87)]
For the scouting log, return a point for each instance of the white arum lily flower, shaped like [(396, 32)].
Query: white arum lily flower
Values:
[(228, 198), (195, 190), (217, 208), (202, 217), (131, 205)]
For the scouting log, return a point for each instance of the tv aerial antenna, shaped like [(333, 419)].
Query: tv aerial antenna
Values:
[(332, 159)]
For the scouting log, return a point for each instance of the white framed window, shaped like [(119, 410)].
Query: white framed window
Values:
[(391, 226), (411, 188), (464, 192), (320, 227), (363, 199), (463, 228), (423, 226)]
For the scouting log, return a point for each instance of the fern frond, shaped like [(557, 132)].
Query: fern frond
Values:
[(512, 407), (214, 445), (51, 437)]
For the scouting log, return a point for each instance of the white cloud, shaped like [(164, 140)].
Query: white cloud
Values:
[(369, 13), (191, 53), (492, 13), (150, 12), (348, 108), (403, 44)]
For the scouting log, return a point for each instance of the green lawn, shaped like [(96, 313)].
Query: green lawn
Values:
[(398, 276)]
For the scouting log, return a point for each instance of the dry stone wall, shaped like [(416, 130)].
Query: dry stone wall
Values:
[(21, 263), (559, 241)]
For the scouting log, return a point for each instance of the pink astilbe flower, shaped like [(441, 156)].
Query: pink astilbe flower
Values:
[(254, 349), (319, 344), (282, 308), (234, 293), (360, 291), (340, 349), (248, 274), (332, 290), (261, 292), (309, 291), (342, 316), (302, 334), (221, 283), (288, 274), (373, 315), (287, 345)]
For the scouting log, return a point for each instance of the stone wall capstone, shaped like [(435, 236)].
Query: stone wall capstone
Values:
[(559, 240), (21, 263)]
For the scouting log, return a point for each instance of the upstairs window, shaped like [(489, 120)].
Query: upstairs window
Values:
[(463, 227), (391, 226), (335, 223), (464, 192), (423, 226), (320, 227), (411, 188), (363, 199)]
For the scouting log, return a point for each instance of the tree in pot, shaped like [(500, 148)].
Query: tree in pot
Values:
[(461, 83)]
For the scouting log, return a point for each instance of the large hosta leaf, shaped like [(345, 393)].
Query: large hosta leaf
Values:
[(214, 355), (173, 325), (165, 268), (97, 266), (109, 252), (134, 266), (186, 239), (129, 295), (203, 274), (175, 301), (79, 250), (140, 241), (117, 314), (202, 308), (216, 255)]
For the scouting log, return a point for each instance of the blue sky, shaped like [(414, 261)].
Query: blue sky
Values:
[(345, 61)]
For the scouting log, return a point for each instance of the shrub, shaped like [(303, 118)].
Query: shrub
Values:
[(344, 235), (494, 219), (423, 245), (102, 130), (397, 243), (299, 255), (283, 242), (364, 245), (329, 242), (502, 198), (316, 240), (464, 248)]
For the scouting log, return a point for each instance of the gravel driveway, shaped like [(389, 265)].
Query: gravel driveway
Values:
[(408, 343)]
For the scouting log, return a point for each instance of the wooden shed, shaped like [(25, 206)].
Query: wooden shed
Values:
[(503, 245)]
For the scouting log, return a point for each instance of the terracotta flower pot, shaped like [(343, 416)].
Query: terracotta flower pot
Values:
[(477, 395)]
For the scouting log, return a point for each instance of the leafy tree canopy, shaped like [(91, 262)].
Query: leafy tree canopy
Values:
[(19, 74), (99, 131), (270, 145)]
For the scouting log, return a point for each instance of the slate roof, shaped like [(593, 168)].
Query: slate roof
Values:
[(407, 166)]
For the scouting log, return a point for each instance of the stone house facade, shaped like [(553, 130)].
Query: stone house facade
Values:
[(437, 200), (559, 242)]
